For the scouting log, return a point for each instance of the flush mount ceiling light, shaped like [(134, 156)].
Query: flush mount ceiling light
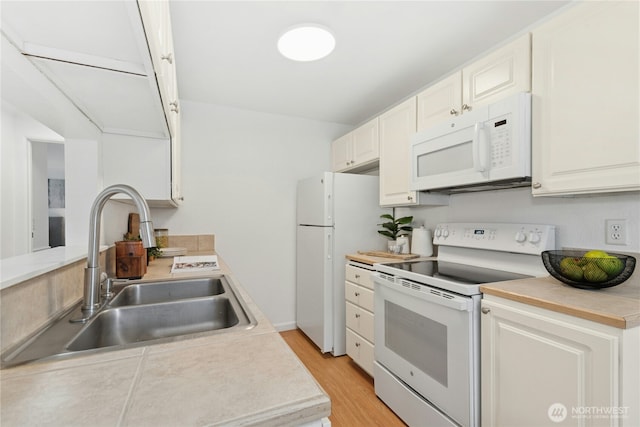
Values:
[(308, 42)]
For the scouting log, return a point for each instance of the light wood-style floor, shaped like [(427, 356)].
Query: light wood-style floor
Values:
[(353, 399)]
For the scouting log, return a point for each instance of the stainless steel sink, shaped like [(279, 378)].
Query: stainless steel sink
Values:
[(141, 313), (126, 325), (168, 290)]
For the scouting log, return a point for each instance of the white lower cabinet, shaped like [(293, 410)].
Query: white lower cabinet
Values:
[(540, 367), (359, 316)]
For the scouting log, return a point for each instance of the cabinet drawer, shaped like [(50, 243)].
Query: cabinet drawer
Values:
[(359, 295), (361, 351), (359, 275), (360, 321)]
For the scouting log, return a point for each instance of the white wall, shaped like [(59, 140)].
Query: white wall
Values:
[(239, 175), (32, 107), (579, 221), (17, 130)]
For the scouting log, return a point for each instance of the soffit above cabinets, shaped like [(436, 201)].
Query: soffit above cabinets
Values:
[(96, 53)]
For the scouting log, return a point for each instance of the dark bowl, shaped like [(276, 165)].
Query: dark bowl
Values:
[(590, 272)]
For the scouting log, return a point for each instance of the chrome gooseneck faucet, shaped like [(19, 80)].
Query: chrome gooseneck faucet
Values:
[(91, 302)]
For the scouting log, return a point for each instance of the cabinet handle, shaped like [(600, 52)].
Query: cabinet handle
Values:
[(409, 198), (357, 294), (357, 344), (168, 57), (454, 112), (357, 316), (466, 107), (174, 106), (357, 276), (485, 310), (537, 185)]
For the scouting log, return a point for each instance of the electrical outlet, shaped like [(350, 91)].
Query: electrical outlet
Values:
[(616, 231)]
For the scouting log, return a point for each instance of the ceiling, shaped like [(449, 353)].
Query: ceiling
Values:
[(385, 50)]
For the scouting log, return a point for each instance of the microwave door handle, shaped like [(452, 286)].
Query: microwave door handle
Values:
[(480, 148)]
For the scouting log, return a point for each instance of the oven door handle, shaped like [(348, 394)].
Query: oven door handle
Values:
[(427, 293)]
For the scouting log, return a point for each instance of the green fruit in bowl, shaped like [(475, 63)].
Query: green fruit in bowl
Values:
[(593, 274), (611, 265), (570, 269)]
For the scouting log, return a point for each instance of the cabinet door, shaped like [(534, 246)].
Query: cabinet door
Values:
[(585, 100), (503, 72), (121, 156), (359, 276), (440, 101), (561, 365), (341, 153), (361, 351), (360, 321), (396, 128), (365, 143)]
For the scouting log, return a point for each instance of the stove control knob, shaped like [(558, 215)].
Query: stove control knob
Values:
[(438, 232), (445, 233), (520, 237), (534, 238)]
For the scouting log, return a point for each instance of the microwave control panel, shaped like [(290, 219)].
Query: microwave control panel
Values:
[(500, 135)]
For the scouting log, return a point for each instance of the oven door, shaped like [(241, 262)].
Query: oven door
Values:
[(428, 338)]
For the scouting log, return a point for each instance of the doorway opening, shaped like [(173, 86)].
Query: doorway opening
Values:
[(47, 195)]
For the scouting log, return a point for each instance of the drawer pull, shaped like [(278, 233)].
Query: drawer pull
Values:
[(357, 276), (357, 344), (357, 294), (357, 316)]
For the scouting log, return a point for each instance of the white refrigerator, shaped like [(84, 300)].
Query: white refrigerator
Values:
[(337, 214)]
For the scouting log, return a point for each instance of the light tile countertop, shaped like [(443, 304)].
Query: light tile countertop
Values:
[(245, 377)]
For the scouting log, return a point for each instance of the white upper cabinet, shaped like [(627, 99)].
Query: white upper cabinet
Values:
[(503, 72), (397, 126), (586, 132), (358, 150), (96, 54), (440, 101), (156, 18)]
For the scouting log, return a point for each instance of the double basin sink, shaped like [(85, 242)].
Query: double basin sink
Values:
[(142, 313)]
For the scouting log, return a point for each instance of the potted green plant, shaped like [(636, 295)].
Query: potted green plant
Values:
[(395, 227)]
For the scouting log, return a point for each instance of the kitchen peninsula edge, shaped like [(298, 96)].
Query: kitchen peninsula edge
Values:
[(245, 377)]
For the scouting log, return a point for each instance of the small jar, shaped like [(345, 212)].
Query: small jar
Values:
[(162, 237)]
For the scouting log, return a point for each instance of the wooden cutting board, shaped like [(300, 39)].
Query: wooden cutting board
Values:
[(384, 254)]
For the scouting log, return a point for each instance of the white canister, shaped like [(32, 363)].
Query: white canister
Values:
[(404, 242), (421, 242)]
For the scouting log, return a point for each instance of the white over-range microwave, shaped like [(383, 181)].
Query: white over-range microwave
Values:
[(486, 148)]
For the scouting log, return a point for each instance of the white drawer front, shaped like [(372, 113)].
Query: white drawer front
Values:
[(361, 351), (359, 295), (361, 321), (359, 275)]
